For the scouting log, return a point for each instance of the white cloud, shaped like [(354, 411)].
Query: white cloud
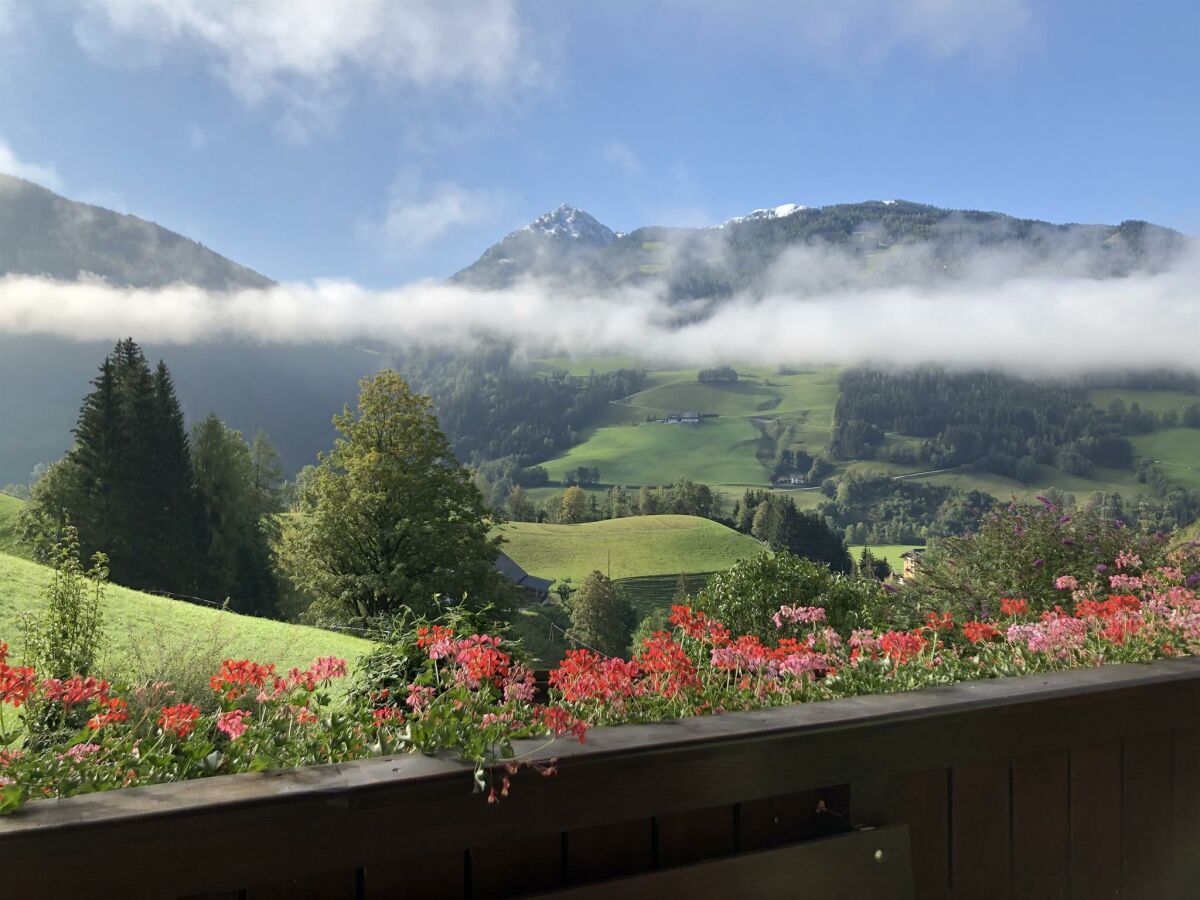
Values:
[(418, 214), (39, 173), (622, 156), (1024, 323), (304, 52)]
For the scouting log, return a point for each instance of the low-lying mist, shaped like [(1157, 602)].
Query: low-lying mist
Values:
[(813, 307)]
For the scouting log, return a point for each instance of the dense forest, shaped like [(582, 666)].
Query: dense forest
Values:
[(502, 416), (997, 423)]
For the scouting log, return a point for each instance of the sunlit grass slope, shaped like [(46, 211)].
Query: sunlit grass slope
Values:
[(132, 620), (636, 546)]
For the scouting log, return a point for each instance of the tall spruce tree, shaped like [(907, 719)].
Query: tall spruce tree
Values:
[(126, 484)]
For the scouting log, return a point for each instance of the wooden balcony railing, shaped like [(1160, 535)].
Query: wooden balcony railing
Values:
[(1077, 784)]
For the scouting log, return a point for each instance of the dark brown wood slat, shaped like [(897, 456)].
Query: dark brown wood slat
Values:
[(1147, 782), (695, 835), (979, 844), (1041, 826), (517, 868), (325, 886), (1185, 817), (440, 876), (340, 817), (873, 863), (607, 851), (787, 819), (921, 801), (1096, 821)]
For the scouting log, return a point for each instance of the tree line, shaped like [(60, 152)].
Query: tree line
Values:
[(994, 422)]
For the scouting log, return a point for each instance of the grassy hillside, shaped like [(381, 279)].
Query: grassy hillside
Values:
[(727, 450), (625, 548), (139, 624), (1177, 452), (719, 451), (9, 507)]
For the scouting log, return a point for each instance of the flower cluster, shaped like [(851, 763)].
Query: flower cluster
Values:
[(475, 695)]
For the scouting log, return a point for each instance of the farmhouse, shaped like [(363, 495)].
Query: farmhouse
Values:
[(534, 589), (793, 479), (912, 559), (681, 418)]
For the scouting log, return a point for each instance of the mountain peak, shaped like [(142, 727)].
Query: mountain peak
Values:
[(570, 223), (775, 212)]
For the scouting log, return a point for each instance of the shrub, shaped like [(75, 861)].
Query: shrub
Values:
[(747, 596), (1020, 551)]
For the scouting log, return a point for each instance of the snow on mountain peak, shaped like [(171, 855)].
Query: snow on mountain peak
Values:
[(777, 212), (567, 222)]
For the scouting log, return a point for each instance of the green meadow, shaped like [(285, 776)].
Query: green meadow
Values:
[(635, 546), (890, 552), (718, 451), (724, 450), (9, 507), (135, 623)]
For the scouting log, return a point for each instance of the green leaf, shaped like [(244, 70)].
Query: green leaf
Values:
[(12, 798)]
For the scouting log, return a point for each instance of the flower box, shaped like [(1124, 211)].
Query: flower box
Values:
[(1081, 783)]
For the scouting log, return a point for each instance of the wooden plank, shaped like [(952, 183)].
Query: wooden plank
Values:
[(1147, 776), (606, 851), (979, 829), (872, 863), (324, 886), (772, 821), (695, 835), (921, 800), (1041, 825), (1185, 817), (1096, 821), (337, 817), (439, 876), (516, 868)]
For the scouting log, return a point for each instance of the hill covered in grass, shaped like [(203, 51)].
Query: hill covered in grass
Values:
[(745, 425), (625, 548), (143, 631), (9, 507)]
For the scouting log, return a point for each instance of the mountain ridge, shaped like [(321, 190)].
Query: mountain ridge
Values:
[(45, 234), (732, 256)]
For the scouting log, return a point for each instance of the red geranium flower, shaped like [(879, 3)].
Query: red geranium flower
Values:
[(178, 718)]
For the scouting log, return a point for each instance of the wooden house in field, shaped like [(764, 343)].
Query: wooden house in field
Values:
[(533, 589)]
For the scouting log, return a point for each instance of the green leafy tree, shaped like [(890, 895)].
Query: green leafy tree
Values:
[(573, 507), (388, 518), (520, 507), (600, 618)]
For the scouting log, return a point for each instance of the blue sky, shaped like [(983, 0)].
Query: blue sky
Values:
[(385, 142)]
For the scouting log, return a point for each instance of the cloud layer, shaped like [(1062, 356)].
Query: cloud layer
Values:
[(1025, 324)]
